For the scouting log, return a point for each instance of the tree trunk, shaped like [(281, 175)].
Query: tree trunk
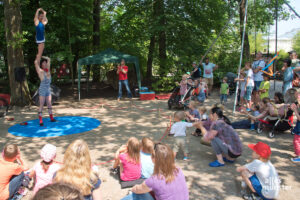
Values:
[(15, 58), (246, 51), (159, 12), (150, 60), (96, 37)]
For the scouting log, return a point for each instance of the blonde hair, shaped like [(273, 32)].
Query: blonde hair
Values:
[(180, 115), (10, 151), (58, 191), (77, 168), (147, 145), (133, 150), (203, 109), (194, 104), (164, 165)]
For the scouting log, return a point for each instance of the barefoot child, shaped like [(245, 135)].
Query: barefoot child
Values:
[(43, 171), (178, 129), (260, 175), (128, 159), (11, 171), (242, 83), (147, 149)]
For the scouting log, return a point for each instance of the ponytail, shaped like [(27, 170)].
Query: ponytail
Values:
[(220, 115)]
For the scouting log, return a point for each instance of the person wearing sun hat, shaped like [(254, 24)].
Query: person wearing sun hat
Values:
[(44, 170), (260, 175)]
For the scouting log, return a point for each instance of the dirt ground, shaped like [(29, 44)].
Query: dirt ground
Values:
[(118, 124)]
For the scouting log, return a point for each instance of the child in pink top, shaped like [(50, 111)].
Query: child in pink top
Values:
[(44, 170), (128, 158)]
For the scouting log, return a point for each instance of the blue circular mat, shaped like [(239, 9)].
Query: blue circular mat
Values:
[(66, 125)]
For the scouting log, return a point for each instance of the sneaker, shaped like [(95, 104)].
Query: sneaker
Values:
[(296, 159), (216, 164), (185, 158)]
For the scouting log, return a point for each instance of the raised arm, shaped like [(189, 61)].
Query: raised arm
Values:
[(45, 20), (36, 17), (48, 61), (37, 67)]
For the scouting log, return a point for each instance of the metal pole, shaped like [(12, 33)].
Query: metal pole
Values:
[(241, 56), (276, 30), (268, 53), (255, 27)]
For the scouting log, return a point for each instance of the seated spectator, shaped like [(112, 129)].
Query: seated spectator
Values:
[(43, 171), (260, 175), (58, 191), (11, 173), (128, 159), (223, 138), (248, 123), (278, 98), (168, 181), (193, 113), (146, 160), (77, 171)]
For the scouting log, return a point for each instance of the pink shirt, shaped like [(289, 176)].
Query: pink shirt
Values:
[(183, 87), (132, 171), (44, 178)]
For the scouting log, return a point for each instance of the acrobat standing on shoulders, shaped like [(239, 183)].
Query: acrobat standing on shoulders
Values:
[(40, 21), (43, 71)]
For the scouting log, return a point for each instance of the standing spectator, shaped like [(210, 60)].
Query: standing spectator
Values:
[(196, 73), (264, 87), (224, 91), (288, 75), (123, 79), (257, 66), (248, 85), (208, 69)]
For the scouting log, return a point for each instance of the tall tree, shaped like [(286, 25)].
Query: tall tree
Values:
[(15, 58), (246, 51), (96, 37), (150, 60)]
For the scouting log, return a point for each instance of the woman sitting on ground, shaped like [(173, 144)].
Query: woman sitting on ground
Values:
[(223, 138), (278, 98), (168, 181), (77, 171)]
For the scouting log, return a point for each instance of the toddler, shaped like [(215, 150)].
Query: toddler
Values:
[(224, 90), (193, 113), (242, 83)]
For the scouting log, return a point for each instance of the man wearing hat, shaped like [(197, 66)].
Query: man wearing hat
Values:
[(260, 175), (196, 73)]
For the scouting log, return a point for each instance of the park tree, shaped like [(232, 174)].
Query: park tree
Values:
[(14, 41), (296, 42)]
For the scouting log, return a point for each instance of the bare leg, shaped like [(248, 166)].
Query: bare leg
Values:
[(116, 163), (41, 47), (246, 175), (49, 105), (220, 158)]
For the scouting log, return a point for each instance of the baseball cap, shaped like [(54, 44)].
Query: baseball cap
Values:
[(261, 149), (48, 152), (188, 73)]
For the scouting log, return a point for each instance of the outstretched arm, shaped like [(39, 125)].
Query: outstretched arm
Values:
[(37, 67), (36, 17)]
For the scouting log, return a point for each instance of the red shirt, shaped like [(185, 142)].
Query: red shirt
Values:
[(123, 76)]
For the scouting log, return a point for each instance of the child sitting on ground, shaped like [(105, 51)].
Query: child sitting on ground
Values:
[(193, 113), (128, 159), (203, 117), (43, 171), (178, 129), (224, 91), (248, 123), (11, 173), (260, 175), (147, 149)]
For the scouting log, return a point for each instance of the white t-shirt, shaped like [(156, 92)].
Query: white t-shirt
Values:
[(259, 75), (249, 73), (179, 128), (208, 70), (267, 176), (204, 116)]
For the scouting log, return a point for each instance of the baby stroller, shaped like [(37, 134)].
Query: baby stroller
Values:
[(175, 100), (230, 81), (276, 124)]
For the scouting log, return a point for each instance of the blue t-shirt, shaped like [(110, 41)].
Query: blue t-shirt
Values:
[(208, 70), (195, 113), (147, 165), (288, 74)]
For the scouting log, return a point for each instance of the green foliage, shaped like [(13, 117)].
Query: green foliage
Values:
[(260, 43), (296, 43)]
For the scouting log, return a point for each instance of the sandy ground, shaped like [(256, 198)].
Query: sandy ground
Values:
[(118, 125)]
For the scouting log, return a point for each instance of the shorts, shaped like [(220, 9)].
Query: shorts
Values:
[(209, 81), (256, 85), (44, 92), (257, 186), (40, 41), (180, 142), (248, 93)]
